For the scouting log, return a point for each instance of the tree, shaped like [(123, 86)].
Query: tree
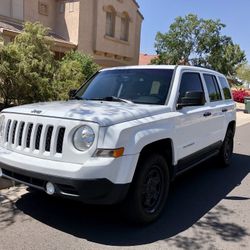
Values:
[(196, 41), (73, 70), (29, 72), (27, 67), (243, 73)]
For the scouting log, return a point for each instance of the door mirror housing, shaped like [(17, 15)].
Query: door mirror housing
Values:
[(72, 93), (191, 98)]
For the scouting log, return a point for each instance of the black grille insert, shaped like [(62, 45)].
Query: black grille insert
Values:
[(38, 136), (48, 138), (59, 144), (8, 131), (24, 178), (30, 127), (20, 134), (14, 132)]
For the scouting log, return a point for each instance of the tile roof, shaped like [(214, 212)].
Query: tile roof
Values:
[(145, 59), (18, 28)]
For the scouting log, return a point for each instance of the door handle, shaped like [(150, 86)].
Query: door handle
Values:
[(207, 114), (224, 110)]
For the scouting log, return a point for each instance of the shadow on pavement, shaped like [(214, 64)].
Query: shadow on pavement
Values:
[(192, 196)]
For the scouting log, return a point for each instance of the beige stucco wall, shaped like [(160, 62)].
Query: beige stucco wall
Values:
[(31, 12), (92, 38), (85, 26), (67, 23), (12, 8), (5, 9)]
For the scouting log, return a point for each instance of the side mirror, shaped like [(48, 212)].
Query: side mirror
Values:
[(191, 98), (72, 93)]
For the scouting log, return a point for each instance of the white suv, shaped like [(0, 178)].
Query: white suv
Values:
[(125, 134)]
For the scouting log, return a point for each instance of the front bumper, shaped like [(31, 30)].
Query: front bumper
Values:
[(97, 181), (94, 191)]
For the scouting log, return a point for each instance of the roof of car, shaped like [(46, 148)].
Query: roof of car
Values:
[(201, 69)]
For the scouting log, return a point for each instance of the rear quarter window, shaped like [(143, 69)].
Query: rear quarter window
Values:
[(212, 87), (225, 87)]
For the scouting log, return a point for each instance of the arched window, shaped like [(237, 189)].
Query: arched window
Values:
[(124, 26), (110, 21)]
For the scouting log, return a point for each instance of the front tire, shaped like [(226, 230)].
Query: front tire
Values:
[(149, 190)]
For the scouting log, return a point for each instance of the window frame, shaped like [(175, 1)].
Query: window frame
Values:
[(179, 86), (219, 77), (110, 26), (216, 84), (124, 35)]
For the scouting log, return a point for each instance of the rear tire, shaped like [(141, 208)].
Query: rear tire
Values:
[(226, 151), (148, 193)]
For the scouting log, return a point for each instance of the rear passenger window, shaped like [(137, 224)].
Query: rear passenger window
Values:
[(225, 87), (190, 82), (213, 88)]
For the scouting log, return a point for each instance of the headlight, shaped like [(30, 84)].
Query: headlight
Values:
[(83, 138)]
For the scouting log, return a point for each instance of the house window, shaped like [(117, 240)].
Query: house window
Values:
[(43, 8), (110, 22), (124, 27), (62, 7)]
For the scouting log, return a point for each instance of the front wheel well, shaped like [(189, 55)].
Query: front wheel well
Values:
[(232, 126), (163, 147)]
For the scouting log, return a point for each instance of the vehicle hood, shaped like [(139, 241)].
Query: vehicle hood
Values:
[(102, 112)]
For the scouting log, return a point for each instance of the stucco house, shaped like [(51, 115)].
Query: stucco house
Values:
[(109, 30)]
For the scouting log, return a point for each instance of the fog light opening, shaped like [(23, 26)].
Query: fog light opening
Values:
[(50, 188)]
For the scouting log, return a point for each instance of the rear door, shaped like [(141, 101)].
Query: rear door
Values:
[(216, 108)]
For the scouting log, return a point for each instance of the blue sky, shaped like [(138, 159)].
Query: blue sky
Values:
[(159, 14)]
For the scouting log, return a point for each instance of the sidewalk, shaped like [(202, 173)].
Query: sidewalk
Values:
[(242, 118)]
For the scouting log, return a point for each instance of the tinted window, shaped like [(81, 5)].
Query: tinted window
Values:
[(190, 82), (213, 88), (146, 86), (225, 87)]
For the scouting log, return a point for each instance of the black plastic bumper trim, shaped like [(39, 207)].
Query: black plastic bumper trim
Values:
[(89, 191)]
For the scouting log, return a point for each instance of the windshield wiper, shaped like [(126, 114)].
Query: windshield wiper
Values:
[(111, 99)]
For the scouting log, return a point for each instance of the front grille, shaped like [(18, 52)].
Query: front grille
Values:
[(28, 135)]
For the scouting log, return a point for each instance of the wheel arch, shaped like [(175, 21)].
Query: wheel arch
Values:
[(165, 148)]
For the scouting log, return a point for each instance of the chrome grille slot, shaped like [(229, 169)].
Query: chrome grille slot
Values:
[(60, 137), (38, 136), (30, 127), (48, 138)]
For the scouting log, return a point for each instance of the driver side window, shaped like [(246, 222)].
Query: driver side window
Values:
[(190, 82)]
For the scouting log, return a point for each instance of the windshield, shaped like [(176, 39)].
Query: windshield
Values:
[(145, 86)]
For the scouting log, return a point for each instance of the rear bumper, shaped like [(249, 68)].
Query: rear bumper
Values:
[(92, 191)]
